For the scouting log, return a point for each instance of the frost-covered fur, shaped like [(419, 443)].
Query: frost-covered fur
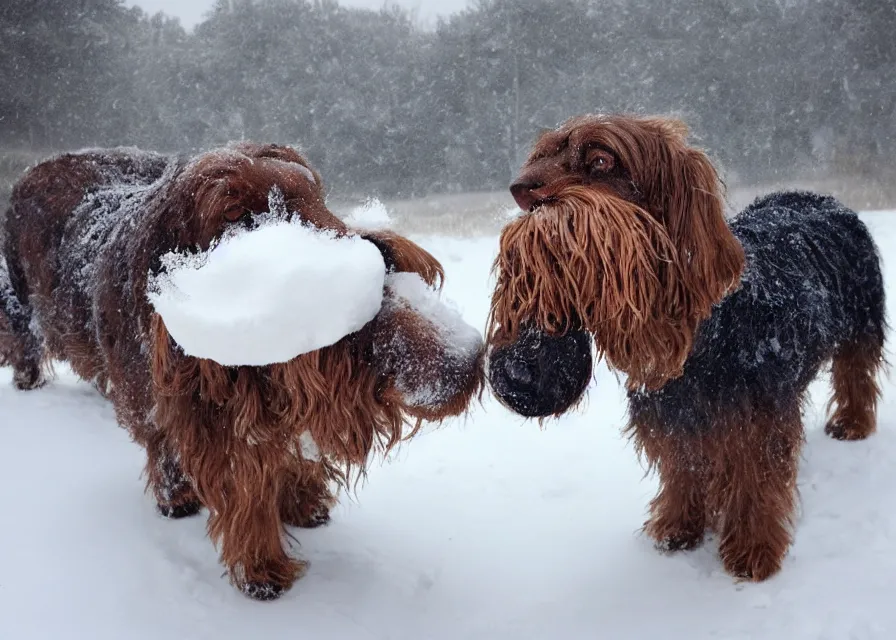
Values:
[(812, 285), (259, 446), (9, 306), (719, 328)]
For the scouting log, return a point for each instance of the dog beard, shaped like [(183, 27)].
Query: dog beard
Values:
[(593, 261), (331, 393)]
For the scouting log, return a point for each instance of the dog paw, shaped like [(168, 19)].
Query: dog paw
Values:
[(28, 380), (679, 542), (263, 591), (755, 564), (318, 518), (269, 581), (178, 511), (841, 430), (307, 518), (669, 537)]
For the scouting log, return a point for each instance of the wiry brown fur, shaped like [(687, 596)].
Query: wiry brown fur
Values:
[(673, 254), (853, 406), (739, 480), (550, 273), (258, 446), (236, 428)]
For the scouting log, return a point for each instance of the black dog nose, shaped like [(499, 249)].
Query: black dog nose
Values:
[(522, 192), (541, 375)]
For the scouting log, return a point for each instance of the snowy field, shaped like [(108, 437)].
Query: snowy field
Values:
[(487, 528)]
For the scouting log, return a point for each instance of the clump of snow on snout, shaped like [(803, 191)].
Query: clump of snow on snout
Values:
[(269, 294), (411, 290), (371, 215)]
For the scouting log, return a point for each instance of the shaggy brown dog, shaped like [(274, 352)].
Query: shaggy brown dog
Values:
[(260, 447), (719, 328)]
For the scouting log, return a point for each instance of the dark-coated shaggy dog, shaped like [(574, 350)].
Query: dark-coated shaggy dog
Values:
[(719, 328), (261, 446)]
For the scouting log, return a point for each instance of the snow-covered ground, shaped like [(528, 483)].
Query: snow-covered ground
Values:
[(487, 528)]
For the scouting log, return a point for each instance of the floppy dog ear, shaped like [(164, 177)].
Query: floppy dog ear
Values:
[(710, 258), (402, 255)]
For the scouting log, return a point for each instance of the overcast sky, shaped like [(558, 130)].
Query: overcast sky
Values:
[(191, 12)]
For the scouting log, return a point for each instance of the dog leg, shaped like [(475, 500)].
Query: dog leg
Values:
[(305, 497), (856, 392), (26, 351), (175, 497), (678, 512), (753, 490), (245, 523)]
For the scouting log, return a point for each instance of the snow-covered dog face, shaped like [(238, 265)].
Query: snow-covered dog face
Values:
[(623, 236), (270, 307)]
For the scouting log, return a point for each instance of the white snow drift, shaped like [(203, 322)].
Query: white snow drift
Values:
[(270, 294)]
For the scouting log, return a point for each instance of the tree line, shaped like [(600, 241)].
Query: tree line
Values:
[(773, 88)]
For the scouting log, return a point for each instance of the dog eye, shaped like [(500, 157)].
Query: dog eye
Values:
[(236, 214), (600, 160)]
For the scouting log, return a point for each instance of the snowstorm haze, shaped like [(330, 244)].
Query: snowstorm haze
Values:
[(189, 13), (192, 12), (778, 91)]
